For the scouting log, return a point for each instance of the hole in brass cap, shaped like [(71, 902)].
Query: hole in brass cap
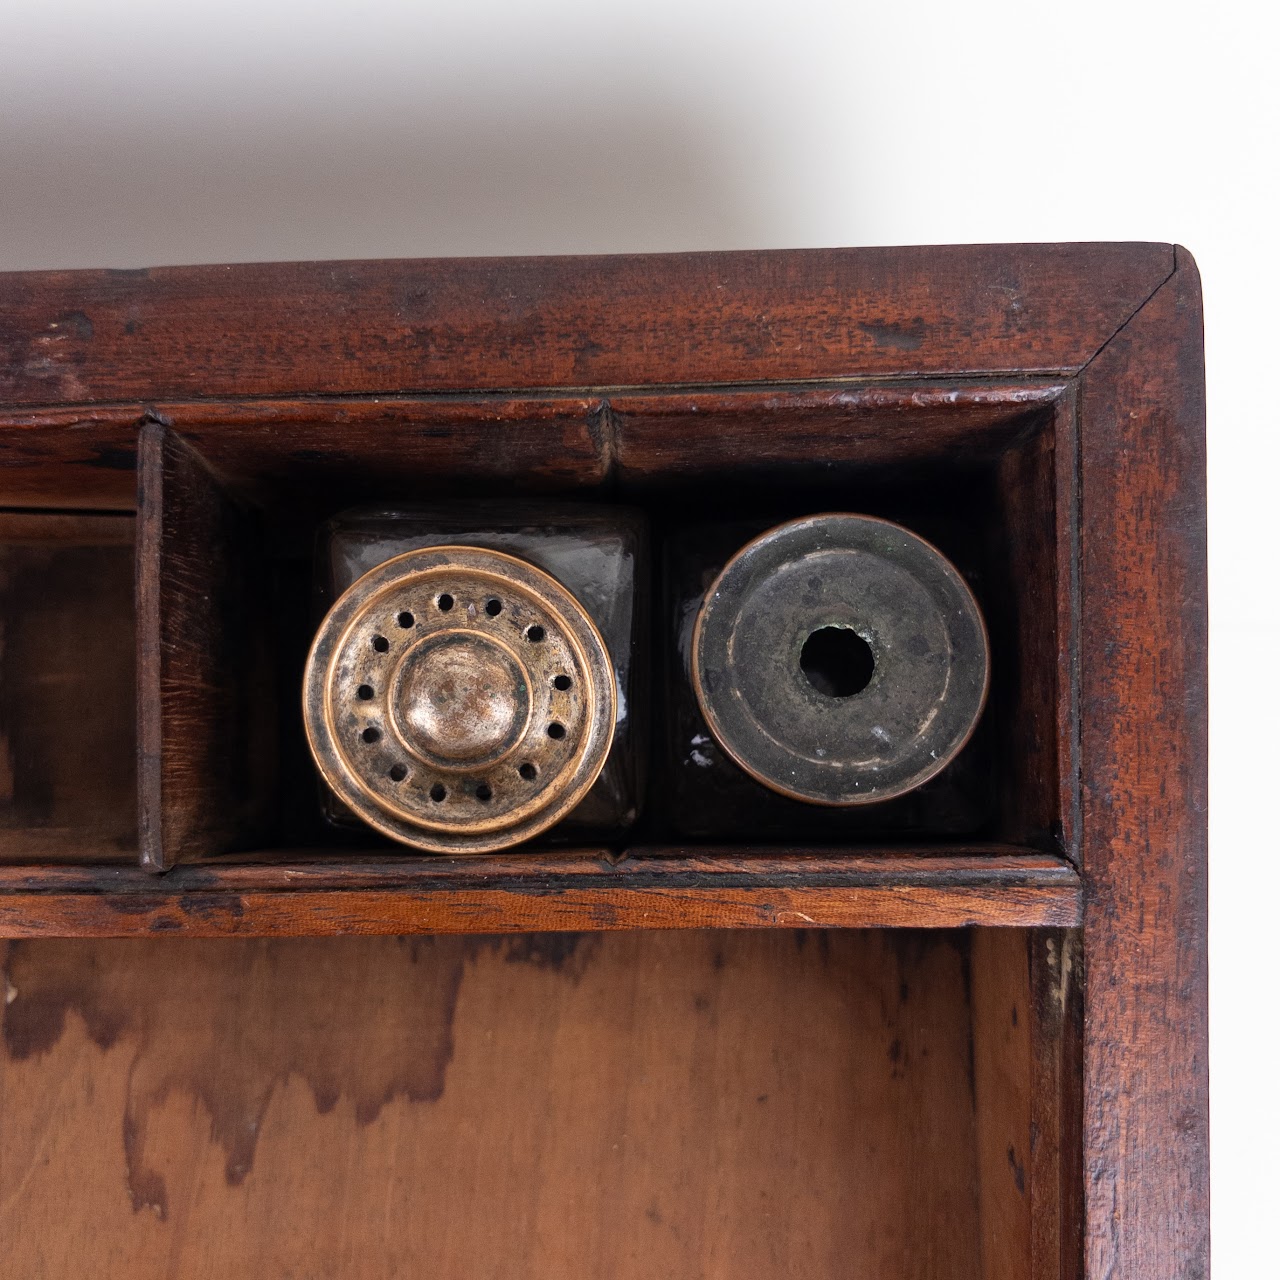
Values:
[(840, 660), (837, 661)]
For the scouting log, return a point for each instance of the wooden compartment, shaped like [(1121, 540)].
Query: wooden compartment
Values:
[(67, 740), (225, 566), (948, 1049), (987, 477), (634, 1104)]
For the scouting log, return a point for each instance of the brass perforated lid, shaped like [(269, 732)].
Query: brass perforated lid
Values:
[(459, 700)]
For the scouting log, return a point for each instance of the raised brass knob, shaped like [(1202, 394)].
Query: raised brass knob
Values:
[(840, 660), (459, 700)]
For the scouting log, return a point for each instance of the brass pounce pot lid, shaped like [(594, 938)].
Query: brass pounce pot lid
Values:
[(459, 700), (840, 659)]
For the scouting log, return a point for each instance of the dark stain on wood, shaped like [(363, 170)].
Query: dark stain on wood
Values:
[(112, 459), (903, 335), (1019, 1172), (287, 1026), (282, 1034), (640, 1043)]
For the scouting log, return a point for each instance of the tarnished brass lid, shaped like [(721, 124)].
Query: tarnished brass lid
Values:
[(840, 659), (459, 700)]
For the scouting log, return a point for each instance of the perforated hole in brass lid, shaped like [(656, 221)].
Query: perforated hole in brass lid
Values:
[(459, 700)]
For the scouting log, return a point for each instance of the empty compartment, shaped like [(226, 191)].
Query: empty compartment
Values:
[(67, 743), (883, 1103)]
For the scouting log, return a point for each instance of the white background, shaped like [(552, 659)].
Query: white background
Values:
[(137, 134)]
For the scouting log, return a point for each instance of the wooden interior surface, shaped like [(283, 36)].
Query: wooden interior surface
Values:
[(1029, 617), (1025, 1002), (641, 1104), (67, 741), (205, 702)]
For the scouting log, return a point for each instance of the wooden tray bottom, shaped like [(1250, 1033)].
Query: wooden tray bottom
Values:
[(762, 1104)]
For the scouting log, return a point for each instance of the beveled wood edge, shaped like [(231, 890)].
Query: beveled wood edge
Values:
[(1144, 812), (579, 891), (668, 865), (582, 891), (656, 319), (1008, 390)]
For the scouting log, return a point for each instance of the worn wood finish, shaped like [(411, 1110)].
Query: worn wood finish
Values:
[(1000, 1004), (324, 453), (1025, 998), (1057, 1192), (1144, 793), (205, 704), (1057, 389), (350, 328), (816, 437), (515, 892), (67, 781), (623, 1105)]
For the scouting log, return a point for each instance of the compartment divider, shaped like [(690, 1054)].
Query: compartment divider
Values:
[(206, 757)]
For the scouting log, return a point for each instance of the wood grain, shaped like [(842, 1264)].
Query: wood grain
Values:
[(710, 1105), (1143, 833), (522, 892), (343, 328), (1025, 1001), (326, 453), (1056, 964), (806, 437), (205, 703)]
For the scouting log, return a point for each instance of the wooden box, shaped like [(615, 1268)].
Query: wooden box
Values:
[(962, 1038)]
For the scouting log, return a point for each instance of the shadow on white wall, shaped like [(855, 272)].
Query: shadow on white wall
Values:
[(165, 136)]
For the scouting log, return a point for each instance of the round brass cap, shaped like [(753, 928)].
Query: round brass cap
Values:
[(459, 700), (840, 660)]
